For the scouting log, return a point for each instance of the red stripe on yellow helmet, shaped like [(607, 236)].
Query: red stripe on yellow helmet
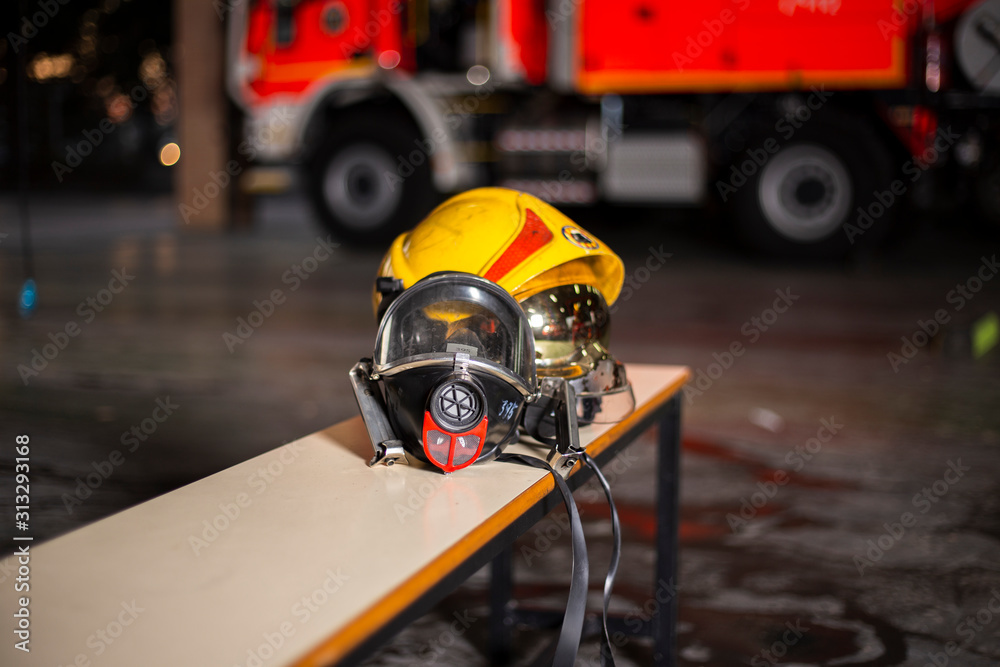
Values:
[(533, 236)]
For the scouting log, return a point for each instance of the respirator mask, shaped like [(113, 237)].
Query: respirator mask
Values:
[(452, 371)]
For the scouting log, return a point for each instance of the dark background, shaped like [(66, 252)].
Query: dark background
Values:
[(826, 358)]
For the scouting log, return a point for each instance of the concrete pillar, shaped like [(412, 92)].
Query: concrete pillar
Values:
[(202, 128)]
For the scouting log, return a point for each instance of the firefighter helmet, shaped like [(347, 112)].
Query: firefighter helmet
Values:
[(511, 238), (563, 276)]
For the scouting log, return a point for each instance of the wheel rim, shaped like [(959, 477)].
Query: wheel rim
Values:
[(357, 187), (805, 192)]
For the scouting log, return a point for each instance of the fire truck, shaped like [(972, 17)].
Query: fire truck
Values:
[(811, 121)]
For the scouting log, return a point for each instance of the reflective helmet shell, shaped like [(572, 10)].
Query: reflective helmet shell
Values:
[(571, 328)]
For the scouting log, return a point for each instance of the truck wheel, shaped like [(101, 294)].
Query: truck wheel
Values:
[(803, 201), (359, 188)]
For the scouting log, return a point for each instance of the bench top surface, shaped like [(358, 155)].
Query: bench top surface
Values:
[(323, 552)]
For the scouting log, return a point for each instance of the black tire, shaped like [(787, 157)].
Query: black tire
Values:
[(803, 201), (364, 180)]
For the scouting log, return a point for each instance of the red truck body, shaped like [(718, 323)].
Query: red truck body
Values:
[(588, 58)]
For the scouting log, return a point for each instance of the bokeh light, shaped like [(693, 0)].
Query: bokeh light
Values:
[(170, 154)]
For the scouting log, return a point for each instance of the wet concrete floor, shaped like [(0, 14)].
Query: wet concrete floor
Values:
[(840, 494)]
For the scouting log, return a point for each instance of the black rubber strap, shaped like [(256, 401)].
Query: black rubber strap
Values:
[(607, 658), (576, 605)]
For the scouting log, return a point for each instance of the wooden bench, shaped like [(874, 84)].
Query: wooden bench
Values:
[(305, 556)]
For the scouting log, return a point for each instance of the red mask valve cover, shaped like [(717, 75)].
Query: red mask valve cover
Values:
[(452, 451), (454, 425)]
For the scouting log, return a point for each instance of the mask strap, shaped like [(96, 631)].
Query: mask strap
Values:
[(607, 658), (576, 605)]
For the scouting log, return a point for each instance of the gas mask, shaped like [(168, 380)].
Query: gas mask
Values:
[(452, 371), (490, 284), (449, 382)]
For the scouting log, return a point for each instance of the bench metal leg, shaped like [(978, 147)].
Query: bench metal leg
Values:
[(662, 626), (667, 535), (501, 621)]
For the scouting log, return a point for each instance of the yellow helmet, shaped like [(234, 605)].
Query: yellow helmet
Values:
[(511, 238)]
